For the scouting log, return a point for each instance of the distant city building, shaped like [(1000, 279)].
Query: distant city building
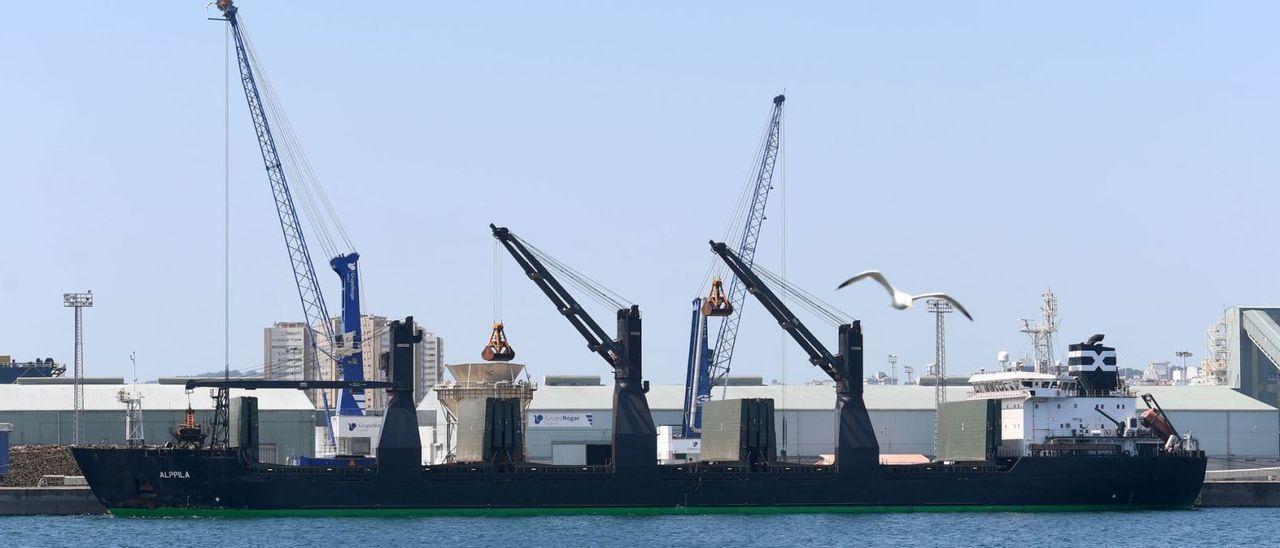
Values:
[(428, 360), (1156, 373), (430, 370), (287, 352)]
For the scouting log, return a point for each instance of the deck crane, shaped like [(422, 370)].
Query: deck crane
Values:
[(856, 445), (315, 312), (706, 366), (635, 441)]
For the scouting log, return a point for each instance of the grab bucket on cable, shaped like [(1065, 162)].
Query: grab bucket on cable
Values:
[(716, 304), (498, 349)]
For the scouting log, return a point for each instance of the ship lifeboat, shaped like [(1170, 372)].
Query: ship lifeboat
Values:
[(1157, 423), (498, 349), (716, 304)]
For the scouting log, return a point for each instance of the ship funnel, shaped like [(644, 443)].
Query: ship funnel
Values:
[(1094, 365)]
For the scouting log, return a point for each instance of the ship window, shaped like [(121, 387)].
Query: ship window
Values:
[(1037, 406), (1059, 406), (1075, 406)]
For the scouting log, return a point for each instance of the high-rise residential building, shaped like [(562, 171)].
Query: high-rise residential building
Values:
[(428, 360), (429, 370), (287, 354)]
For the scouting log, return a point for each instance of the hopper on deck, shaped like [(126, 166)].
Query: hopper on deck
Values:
[(465, 402), (486, 372)]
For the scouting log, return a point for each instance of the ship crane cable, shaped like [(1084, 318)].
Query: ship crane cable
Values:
[(595, 290), (734, 228), (284, 159), (710, 363), (825, 311), (498, 349), (317, 208)]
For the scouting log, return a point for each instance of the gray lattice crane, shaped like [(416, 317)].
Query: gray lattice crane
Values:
[(707, 365)]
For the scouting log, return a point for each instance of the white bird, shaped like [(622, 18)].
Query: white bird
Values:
[(901, 299)]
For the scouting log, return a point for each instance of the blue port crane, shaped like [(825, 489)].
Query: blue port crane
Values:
[(348, 357), (351, 363), (707, 365)]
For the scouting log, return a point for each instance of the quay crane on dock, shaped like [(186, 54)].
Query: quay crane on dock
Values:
[(707, 366), (348, 356)]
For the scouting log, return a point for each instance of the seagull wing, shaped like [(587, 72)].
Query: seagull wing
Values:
[(874, 275), (947, 298)]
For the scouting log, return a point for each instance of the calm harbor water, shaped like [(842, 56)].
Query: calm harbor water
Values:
[(1217, 527)]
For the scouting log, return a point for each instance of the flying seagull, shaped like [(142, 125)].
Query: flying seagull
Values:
[(903, 300)]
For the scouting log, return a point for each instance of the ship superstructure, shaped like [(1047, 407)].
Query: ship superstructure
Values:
[(1089, 410)]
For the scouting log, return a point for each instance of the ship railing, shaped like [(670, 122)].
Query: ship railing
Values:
[(1075, 450), (1010, 453), (530, 469), (312, 470), (527, 469), (998, 393), (744, 469), (955, 468)]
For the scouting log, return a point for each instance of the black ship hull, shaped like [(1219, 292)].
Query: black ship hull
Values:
[(207, 482)]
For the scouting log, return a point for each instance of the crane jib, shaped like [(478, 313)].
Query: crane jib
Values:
[(315, 312), (308, 286), (706, 366)]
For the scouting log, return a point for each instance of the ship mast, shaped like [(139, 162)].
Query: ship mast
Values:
[(1041, 332)]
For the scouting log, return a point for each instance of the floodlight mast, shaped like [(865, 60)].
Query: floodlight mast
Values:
[(78, 301)]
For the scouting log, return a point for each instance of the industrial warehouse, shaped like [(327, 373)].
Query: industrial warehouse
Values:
[(42, 412), (569, 417)]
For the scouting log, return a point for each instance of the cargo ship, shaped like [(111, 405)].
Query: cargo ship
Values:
[(11, 371), (1050, 461)]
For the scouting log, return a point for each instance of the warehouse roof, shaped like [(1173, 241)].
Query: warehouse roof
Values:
[(1202, 398), (17, 397), (878, 397)]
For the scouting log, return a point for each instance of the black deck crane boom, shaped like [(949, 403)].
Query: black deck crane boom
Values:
[(857, 450), (635, 438)]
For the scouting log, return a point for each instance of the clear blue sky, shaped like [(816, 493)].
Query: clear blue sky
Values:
[(1121, 153)]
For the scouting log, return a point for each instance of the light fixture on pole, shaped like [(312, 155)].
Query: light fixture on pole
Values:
[(939, 308), (78, 301)]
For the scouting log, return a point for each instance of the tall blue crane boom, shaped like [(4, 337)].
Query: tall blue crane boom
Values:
[(705, 366), (309, 293), (352, 400)]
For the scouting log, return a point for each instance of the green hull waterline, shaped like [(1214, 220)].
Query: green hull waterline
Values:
[(614, 511)]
